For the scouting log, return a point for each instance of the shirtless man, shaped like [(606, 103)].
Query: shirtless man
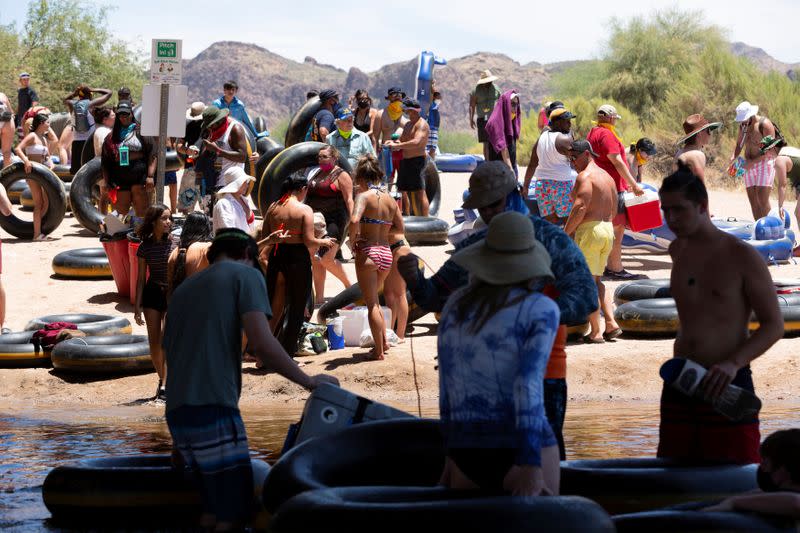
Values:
[(7, 129), (698, 133), (717, 281), (759, 168), (392, 121), (594, 206), (411, 174)]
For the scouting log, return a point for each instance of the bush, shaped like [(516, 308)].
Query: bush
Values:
[(459, 142)]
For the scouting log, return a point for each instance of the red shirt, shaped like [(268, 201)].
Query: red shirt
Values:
[(604, 142)]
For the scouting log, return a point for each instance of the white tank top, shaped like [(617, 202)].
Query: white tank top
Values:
[(552, 165), (225, 164)]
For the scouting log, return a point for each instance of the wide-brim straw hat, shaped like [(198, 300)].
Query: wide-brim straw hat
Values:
[(487, 77), (696, 123), (509, 254), (488, 183)]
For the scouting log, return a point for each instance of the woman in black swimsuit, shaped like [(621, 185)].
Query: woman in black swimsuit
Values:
[(365, 115)]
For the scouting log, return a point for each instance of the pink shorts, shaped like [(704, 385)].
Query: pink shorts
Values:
[(552, 196), (762, 174)]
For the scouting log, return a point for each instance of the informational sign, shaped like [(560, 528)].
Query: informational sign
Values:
[(176, 110), (165, 61)]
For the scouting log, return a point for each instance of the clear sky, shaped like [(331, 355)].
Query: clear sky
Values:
[(380, 33)]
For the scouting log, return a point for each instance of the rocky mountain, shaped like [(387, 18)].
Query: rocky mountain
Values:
[(276, 87)]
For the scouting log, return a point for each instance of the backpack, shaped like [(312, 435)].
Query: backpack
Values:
[(81, 108), (778, 132)]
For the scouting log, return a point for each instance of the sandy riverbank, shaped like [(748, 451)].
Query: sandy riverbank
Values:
[(618, 371)]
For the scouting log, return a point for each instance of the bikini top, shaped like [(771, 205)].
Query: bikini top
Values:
[(325, 187), (363, 126), (37, 149), (367, 220)]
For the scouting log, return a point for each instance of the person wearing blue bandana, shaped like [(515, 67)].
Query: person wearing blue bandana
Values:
[(351, 142)]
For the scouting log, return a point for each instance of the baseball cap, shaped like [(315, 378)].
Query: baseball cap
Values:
[(24, 75), (608, 110), (410, 103), (581, 146), (326, 94), (344, 113), (560, 113)]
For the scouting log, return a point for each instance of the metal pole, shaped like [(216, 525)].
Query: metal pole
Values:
[(162, 143)]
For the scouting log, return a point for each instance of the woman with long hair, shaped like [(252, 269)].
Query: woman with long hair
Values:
[(151, 295), (289, 226), (128, 164), (34, 147), (375, 212), (191, 255), (330, 192), (365, 115), (494, 341)]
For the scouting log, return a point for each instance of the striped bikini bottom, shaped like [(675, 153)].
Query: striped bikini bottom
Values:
[(380, 254)]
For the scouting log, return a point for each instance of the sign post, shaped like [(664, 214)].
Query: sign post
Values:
[(165, 70)]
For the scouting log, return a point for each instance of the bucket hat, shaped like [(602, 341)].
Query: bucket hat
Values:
[(234, 178), (490, 182), (195, 111), (509, 254), (745, 110), (212, 115)]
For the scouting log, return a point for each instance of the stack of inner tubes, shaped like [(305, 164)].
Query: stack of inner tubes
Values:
[(300, 122), (89, 324), (107, 354)]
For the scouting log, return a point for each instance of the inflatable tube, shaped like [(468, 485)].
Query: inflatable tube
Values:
[(15, 191), (404, 509), (352, 295), (701, 522), (87, 154), (63, 172), (267, 149), (456, 162), (642, 484), (776, 250), (83, 194), (109, 354), (420, 231), (82, 263), (56, 196), (17, 351), (656, 317), (433, 187), (290, 160), (137, 113), (89, 324), (260, 124), (26, 200), (643, 289), (300, 121), (119, 490), (58, 122), (397, 452)]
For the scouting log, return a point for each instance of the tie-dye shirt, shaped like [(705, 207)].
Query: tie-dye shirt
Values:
[(491, 382)]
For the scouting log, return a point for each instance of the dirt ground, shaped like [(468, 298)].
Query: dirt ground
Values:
[(618, 371)]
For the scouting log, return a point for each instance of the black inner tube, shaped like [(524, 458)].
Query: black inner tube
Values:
[(56, 196), (300, 121)]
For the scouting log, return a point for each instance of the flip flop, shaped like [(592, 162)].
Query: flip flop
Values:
[(588, 340), (613, 334)]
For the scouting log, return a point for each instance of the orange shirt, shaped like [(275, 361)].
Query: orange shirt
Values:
[(557, 365)]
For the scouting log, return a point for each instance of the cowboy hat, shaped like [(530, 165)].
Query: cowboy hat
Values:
[(696, 123), (745, 110), (487, 77), (195, 112), (212, 115), (490, 182), (509, 254)]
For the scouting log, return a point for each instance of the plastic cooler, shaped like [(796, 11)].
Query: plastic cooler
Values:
[(116, 247), (644, 212), (354, 321), (330, 408)]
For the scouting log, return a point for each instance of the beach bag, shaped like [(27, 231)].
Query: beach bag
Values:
[(312, 339), (81, 108), (51, 334)]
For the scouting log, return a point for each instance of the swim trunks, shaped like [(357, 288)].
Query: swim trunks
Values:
[(483, 137), (553, 197), (410, 174), (595, 239), (212, 441), (433, 140), (762, 174), (691, 430)]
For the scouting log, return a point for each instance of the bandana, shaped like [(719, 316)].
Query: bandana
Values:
[(641, 161), (219, 131), (345, 134), (609, 127), (395, 110)]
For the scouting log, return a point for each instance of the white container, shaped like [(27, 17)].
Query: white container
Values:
[(354, 321)]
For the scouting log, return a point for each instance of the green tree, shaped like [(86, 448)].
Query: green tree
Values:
[(64, 43)]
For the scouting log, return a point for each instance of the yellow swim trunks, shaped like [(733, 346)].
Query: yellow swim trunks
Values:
[(595, 239)]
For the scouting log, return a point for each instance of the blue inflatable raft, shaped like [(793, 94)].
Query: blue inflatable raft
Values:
[(458, 162), (423, 89)]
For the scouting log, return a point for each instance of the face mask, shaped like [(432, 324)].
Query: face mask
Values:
[(363, 104), (345, 134), (765, 481), (326, 167), (395, 110)]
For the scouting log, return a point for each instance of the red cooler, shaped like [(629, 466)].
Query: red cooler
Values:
[(116, 247), (644, 212)]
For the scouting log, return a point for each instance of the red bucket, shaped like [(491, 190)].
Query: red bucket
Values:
[(116, 248), (133, 247)]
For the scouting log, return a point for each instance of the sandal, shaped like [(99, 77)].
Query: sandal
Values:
[(613, 334), (588, 340)]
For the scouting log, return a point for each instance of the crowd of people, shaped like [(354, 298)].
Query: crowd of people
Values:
[(506, 295)]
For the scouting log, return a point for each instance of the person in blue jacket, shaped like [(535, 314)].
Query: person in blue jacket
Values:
[(230, 101)]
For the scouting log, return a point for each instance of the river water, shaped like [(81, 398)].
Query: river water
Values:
[(33, 442)]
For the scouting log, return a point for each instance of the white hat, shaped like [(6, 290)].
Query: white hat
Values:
[(745, 110), (195, 112), (487, 77), (233, 178)]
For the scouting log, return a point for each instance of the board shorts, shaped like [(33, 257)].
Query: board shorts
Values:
[(433, 140), (171, 177), (691, 430), (553, 197), (410, 175), (595, 239), (212, 442), (762, 174), (481, 126)]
